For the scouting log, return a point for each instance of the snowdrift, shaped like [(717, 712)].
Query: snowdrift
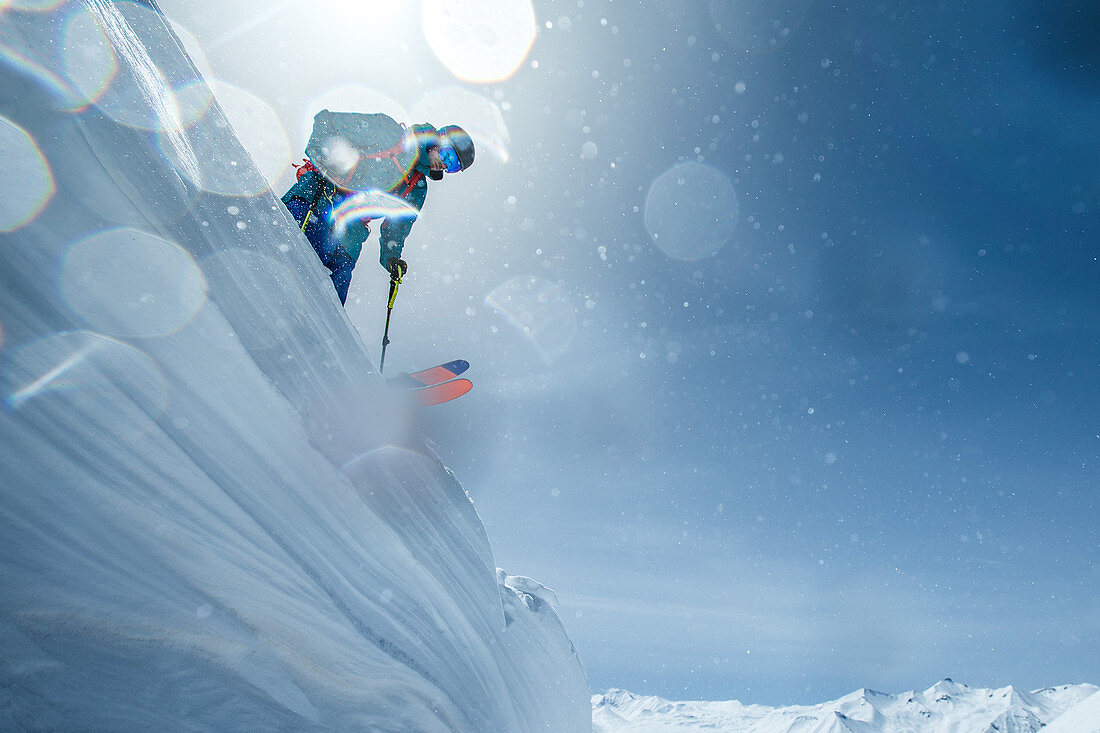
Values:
[(213, 514)]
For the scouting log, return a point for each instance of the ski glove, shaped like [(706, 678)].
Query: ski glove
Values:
[(396, 267)]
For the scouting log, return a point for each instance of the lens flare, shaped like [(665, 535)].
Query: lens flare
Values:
[(691, 211), (28, 183), (264, 154), (36, 45), (368, 205), (538, 309), (126, 282), (88, 60), (86, 379), (480, 40), (758, 26), (193, 97), (256, 127), (193, 49), (475, 113), (141, 92), (31, 5)]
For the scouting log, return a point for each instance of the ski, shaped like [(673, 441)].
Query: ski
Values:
[(442, 392), (429, 377)]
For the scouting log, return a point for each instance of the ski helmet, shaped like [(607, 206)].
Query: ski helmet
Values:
[(462, 143)]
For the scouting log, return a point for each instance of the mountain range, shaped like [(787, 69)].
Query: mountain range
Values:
[(946, 707)]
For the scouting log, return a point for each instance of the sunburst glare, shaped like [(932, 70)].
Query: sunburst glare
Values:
[(483, 41)]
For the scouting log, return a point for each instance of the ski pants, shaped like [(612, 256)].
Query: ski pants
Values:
[(331, 251)]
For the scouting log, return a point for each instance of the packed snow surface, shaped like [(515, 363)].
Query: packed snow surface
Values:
[(213, 513), (946, 707)]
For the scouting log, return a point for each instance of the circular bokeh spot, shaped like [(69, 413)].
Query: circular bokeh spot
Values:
[(758, 26), (538, 309), (484, 41), (223, 168), (36, 44), (86, 381), (257, 127), (27, 183), (87, 57), (30, 5), (129, 283), (691, 211), (148, 65), (475, 113), (193, 48)]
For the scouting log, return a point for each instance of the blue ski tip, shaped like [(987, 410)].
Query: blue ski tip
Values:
[(457, 366)]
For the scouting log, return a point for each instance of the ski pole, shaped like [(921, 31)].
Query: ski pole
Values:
[(312, 204), (394, 282)]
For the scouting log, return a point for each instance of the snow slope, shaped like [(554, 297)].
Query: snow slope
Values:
[(946, 707), (1084, 717), (213, 514)]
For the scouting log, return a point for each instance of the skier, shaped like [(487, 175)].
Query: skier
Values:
[(351, 159)]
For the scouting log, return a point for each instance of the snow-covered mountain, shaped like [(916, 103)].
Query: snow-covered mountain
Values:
[(213, 514), (946, 707), (1084, 717)]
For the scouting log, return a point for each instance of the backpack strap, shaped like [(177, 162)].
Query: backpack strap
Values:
[(391, 153), (411, 181), (322, 190), (388, 152)]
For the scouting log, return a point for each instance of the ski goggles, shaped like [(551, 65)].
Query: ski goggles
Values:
[(450, 158)]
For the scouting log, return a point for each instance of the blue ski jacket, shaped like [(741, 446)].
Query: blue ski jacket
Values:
[(313, 198)]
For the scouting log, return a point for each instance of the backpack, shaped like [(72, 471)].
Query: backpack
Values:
[(362, 152)]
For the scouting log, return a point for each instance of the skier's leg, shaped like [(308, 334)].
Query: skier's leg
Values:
[(315, 229), (328, 248), (341, 265)]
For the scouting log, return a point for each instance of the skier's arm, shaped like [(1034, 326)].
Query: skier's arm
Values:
[(354, 233), (392, 239), (304, 188), (395, 229)]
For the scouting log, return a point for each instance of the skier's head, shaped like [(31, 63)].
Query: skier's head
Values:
[(456, 148)]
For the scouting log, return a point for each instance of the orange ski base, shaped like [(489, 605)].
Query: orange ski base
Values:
[(444, 392)]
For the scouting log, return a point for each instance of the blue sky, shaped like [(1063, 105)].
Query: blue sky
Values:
[(855, 441)]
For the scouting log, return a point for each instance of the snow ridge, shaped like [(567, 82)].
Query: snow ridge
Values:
[(946, 707), (214, 513)]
